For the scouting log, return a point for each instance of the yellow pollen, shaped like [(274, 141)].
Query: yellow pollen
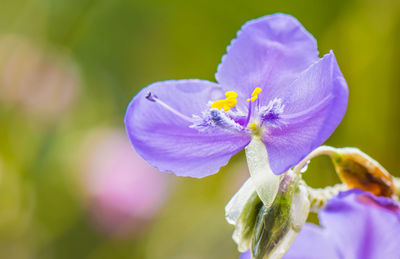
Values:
[(255, 94), (228, 103), (231, 94), (252, 126)]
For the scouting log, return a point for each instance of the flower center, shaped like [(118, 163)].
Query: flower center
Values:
[(224, 115)]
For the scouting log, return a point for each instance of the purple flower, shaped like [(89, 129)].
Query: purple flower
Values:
[(246, 255), (355, 225), (271, 84)]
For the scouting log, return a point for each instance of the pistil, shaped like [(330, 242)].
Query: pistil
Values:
[(154, 98)]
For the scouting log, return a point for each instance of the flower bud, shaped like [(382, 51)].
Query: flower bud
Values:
[(268, 231), (241, 211), (357, 170)]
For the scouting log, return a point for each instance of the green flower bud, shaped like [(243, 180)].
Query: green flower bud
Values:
[(268, 231)]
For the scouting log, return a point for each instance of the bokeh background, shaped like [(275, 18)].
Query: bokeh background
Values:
[(71, 185)]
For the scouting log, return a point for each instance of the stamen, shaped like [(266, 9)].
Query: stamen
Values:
[(231, 94), (215, 119), (228, 103), (249, 114), (255, 94), (252, 126), (153, 98), (218, 104), (272, 111)]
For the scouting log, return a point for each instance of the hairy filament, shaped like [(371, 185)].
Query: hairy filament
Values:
[(319, 197)]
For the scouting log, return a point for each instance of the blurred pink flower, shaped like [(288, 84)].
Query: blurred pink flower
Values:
[(124, 191), (39, 82)]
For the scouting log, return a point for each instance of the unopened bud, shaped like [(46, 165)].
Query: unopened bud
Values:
[(241, 211), (277, 226), (268, 231), (357, 170)]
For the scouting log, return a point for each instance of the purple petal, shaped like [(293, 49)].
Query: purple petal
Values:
[(163, 137), (269, 52), (362, 225), (245, 255), (312, 243), (356, 225), (315, 104)]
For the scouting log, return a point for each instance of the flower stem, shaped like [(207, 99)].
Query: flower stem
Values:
[(319, 197), (322, 150), (396, 181)]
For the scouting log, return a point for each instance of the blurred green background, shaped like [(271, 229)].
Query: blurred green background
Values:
[(68, 69)]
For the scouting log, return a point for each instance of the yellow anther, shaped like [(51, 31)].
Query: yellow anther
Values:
[(218, 104), (231, 102), (231, 95), (252, 126), (228, 103), (255, 94), (256, 91)]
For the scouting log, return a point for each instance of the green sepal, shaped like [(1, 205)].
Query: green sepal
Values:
[(272, 224)]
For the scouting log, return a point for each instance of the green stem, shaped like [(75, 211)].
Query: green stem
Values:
[(319, 197), (396, 181), (321, 150)]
